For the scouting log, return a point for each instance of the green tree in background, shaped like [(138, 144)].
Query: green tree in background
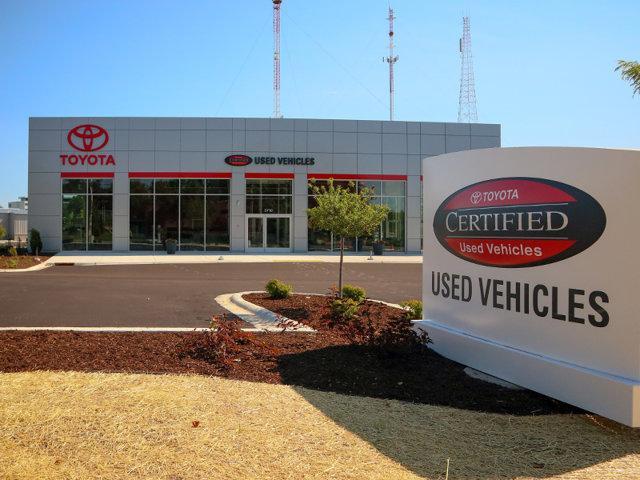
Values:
[(630, 71), (345, 213)]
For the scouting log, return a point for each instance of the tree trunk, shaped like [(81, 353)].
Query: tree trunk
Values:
[(341, 259)]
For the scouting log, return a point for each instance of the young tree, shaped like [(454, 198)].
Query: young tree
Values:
[(630, 71), (345, 213)]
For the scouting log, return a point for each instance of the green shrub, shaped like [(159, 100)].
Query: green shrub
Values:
[(35, 242), (277, 289), (13, 252), (344, 308), (414, 309), (3, 232), (13, 262), (356, 294)]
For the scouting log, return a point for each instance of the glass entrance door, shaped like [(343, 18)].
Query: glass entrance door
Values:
[(269, 233)]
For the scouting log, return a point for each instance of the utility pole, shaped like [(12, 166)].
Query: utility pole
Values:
[(276, 59), (391, 59), (467, 109)]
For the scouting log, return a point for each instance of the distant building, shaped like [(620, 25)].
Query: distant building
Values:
[(22, 203), (14, 221)]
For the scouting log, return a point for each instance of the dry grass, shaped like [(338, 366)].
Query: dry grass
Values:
[(79, 425)]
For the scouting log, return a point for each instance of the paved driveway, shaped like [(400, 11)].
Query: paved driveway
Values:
[(174, 295)]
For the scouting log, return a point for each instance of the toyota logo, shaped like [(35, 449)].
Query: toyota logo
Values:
[(238, 160), (475, 197), (88, 138)]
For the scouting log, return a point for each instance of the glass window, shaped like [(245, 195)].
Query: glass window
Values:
[(191, 185), (217, 222), (74, 185), (100, 222), (269, 196), (269, 187), (101, 185), (166, 220), (140, 185), (74, 222), (393, 231), (192, 222), (374, 187), (270, 204), (253, 187), (393, 189), (253, 204), (284, 204), (217, 186), (167, 185), (141, 222)]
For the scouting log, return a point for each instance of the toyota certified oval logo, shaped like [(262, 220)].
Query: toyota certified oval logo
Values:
[(238, 160), (518, 222), (88, 138)]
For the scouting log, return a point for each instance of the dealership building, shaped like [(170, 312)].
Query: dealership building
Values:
[(226, 184)]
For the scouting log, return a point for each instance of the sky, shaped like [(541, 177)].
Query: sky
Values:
[(543, 69)]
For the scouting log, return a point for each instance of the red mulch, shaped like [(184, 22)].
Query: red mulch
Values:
[(23, 261), (315, 310), (326, 361)]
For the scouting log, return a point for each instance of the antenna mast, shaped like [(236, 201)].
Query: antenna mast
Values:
[(391, 60), (276, 59), (467, 110)]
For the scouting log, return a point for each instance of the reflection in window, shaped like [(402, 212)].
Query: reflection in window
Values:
[(87, 214), (392, 230), (141, 222), (269, 196), (194, 212)]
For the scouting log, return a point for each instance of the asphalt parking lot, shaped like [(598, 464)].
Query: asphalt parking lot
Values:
[(174, 295)]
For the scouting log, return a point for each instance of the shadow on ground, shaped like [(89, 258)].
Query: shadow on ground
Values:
[(486, 431)]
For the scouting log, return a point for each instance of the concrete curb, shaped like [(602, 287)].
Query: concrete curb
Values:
[(267, 319), (262, 319), (111, 259), (118, 329), (35, 268)]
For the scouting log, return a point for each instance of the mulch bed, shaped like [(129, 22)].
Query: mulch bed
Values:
[(315, 310), (325, 360), (22, 261)]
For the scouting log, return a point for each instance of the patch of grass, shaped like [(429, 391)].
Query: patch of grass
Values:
[(95, 425), (79, 425)]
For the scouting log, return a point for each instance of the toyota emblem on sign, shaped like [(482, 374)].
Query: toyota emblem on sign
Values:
[(88, 138)]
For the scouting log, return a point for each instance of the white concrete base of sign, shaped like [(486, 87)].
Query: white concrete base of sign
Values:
[(614, 397)]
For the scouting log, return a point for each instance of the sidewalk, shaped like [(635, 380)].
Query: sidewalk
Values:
[(149, 258)]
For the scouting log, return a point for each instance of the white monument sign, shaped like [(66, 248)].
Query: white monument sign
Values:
[(532, 270)]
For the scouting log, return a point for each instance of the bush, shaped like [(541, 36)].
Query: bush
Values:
[(414, 309), (3, 232), (344, 308), (277, 289), (13, 252), (394, 337), (356, 294), (35, 242)]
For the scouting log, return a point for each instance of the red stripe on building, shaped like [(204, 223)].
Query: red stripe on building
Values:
[(351, 176), (86, 174), (179, 174), (268, 175)]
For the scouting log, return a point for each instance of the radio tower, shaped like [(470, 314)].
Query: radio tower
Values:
[(467, 111), (391, 60), (276, 59)]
